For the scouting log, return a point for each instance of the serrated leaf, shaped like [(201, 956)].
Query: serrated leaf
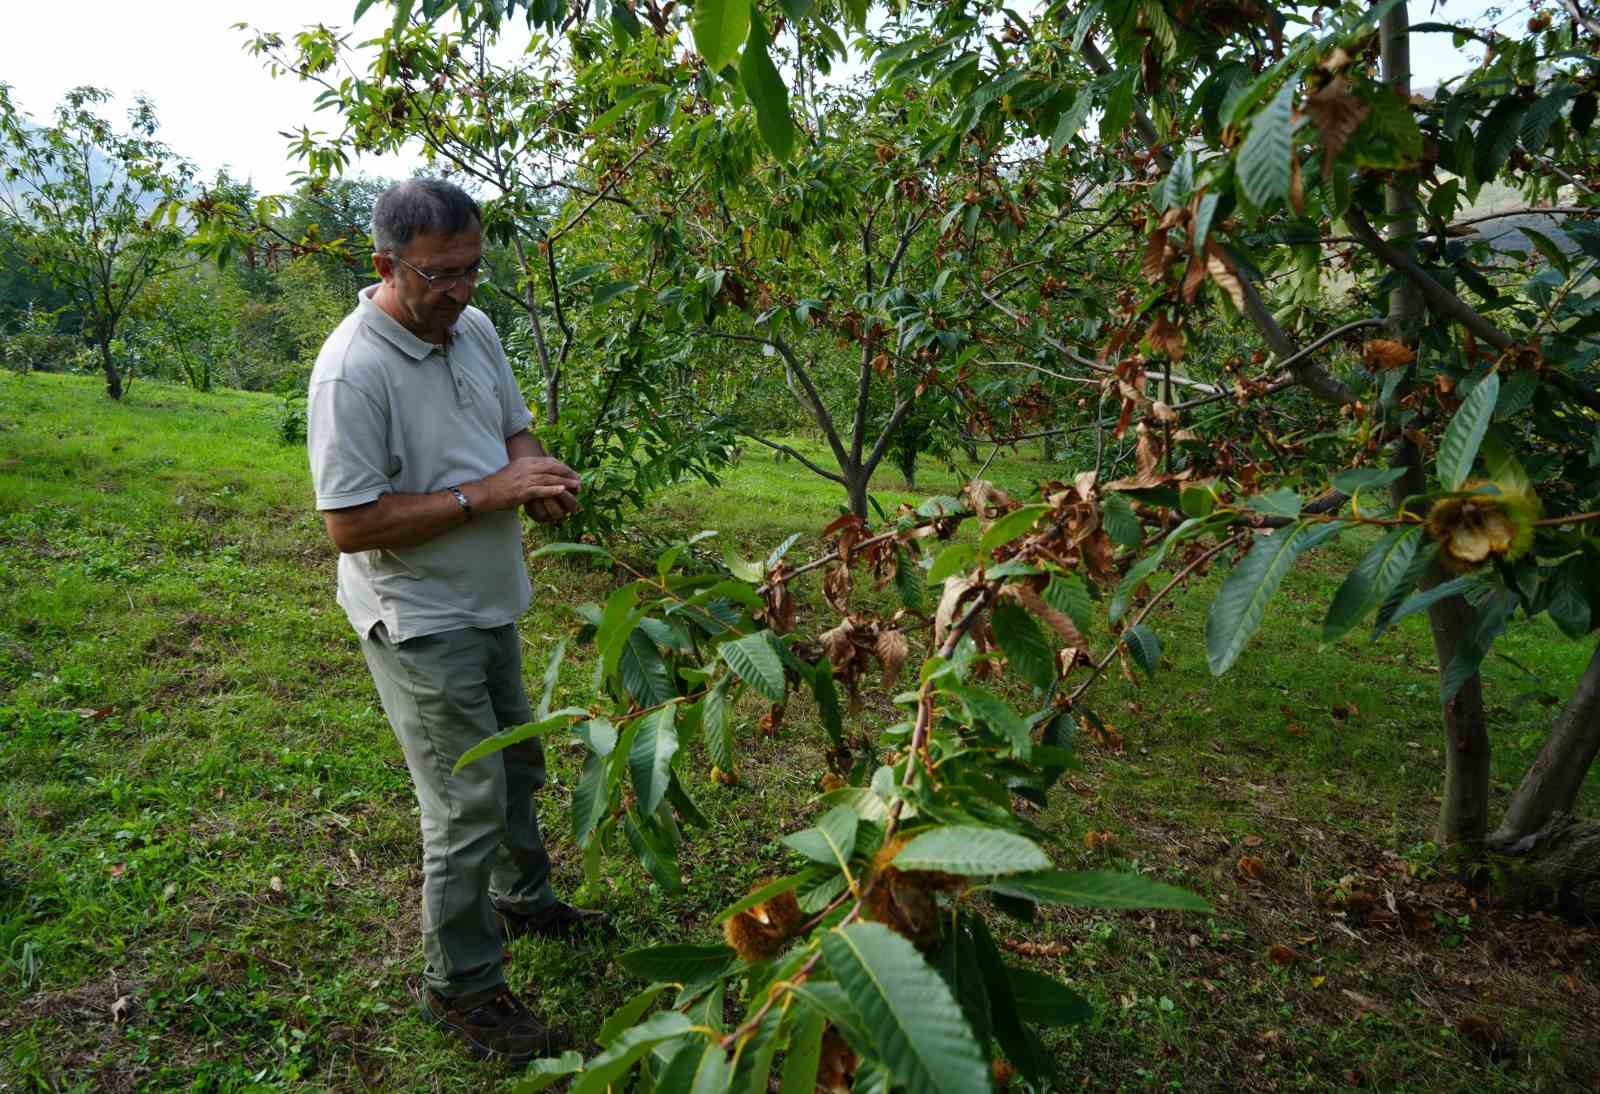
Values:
[(1098, 889), (650, 756), (764, 893), (552, 673), (561, 719), (569, 549), (1264, 157), (1116, 514), (1009, 527), (971, 851), (952, 560), (1024, 644), (920, 1031), (1044, 1002), (716, 726), (1464, 434), (1072, 119), (1141, 570), (833, 839), (591, 800), (1497, 136), (1569, 600), (1068, 594), (1372, 580), (656, 856), (679, 963), (1429, 597), (627, 1015), (765, 87), (908, 582), (1356, 480), (756, 663), (543, 1072), (827, 696), (1282, 502), (643, 672), (1241, 603), (623, 1053), (1145, 647), (1020, 1044), (989, 709), (720, 28), (699, 1067), (800, 1063)]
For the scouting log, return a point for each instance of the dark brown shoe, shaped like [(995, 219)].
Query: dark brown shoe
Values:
[(494, 1024), (561, 920)]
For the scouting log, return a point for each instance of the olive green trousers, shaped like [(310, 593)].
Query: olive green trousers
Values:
[(481, 847)]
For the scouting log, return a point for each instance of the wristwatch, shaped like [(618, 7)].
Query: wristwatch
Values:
[(461, 499)]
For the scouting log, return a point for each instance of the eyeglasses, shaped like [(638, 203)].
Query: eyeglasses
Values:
[(471, 277)]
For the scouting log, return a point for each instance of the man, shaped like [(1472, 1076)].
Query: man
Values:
[(421, 458)]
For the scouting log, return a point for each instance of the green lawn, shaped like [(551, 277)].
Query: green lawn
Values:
[(209, 860)]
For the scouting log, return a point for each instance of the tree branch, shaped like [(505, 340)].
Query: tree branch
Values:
[(787, 451), (1439, 298)]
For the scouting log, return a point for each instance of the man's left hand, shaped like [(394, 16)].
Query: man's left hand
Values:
[(551, 510)]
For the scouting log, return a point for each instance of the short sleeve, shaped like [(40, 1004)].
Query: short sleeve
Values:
[(347, 436), (514, 413)]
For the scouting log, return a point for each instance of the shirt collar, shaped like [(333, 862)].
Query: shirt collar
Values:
[(384, 324)]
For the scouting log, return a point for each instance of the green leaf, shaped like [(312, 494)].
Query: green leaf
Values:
[(643, 672), (757, 664), (766, 90), (1465, 432), (603, 294), (951, 560), (908, 582), (1372, 580), (716, 726), (552, 673), (627, 1015), (762, 894), (1145, 647), (1569, 600), (1497, 136), (1429, 597), (1098, 889), (827, 696), (1116, 513), (1068, 594), (800, 1063), (1241, 603), (561, 719), (1072, 119), (832, 841), (591, 800), (971, 851), (1355, 480), (569, 549), (986, 708), (720, 28), (920, 1031), (616, 624), (541, 1073), (699, 1067), (1009, 527), (680, 963), (1282, 502), (1020, 1044), (620, 1056), (1044, 1002), (1024, 644), (1119, 107), (868, 804), (1141, 570), (650, 757), (1264, 157), (657, 857)]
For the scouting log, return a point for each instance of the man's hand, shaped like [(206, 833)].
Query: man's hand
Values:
[(550, 510), (541, 483)]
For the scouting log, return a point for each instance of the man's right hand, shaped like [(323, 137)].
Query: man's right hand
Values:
[(528, 478)]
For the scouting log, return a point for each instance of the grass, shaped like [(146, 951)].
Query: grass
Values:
[(209, 860)]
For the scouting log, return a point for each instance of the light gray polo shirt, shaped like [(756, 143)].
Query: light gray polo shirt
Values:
[(388, 411)]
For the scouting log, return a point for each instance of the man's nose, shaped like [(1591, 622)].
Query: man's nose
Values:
[(461, 291)]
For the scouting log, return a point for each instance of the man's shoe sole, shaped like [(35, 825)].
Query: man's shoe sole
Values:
[(475, 1048)]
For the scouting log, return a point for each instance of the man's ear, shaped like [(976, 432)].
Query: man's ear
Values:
[(384, 264)]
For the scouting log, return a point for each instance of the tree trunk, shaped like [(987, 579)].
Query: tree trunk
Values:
[(1550, 788), (113, 377), (1049, 450), (855, 485), (1557, 867), (1464, 801)]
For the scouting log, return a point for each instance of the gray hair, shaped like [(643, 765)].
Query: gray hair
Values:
[(421, 207)]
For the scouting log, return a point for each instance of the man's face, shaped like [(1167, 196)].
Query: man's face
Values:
[(430, 310)]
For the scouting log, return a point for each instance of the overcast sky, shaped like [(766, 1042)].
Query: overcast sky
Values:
[(219, 107)]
